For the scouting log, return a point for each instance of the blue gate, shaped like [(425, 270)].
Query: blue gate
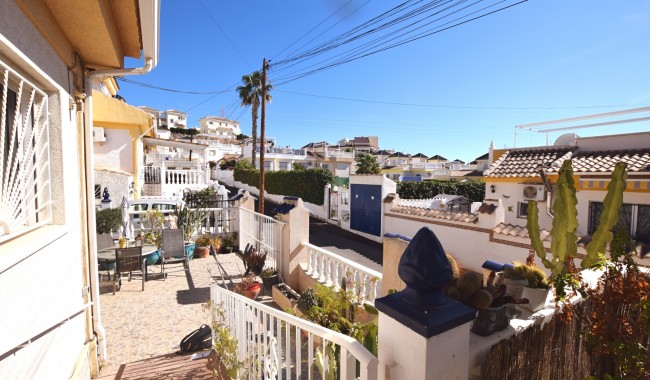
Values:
[(365, 208)]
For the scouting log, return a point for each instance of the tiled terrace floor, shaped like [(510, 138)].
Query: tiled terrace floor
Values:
[(144, 328)]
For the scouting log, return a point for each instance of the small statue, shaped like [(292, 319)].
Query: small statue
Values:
[(106, 196)]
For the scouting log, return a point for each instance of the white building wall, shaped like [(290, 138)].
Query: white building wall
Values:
[(470, 247), (115, 152), (41, 272)]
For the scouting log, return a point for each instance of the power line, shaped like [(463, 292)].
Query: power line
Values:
[(374, 47), (447, 106), (319, 24), (141, 84), (224, 34)]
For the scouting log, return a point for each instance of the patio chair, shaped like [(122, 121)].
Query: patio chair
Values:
[(173, 249), (104, 241), (128, 260)]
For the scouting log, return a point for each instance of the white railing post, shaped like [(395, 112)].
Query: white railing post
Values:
[(420, 324)]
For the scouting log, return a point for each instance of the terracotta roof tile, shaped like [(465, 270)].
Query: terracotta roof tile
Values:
[(518, 231), (436, 214), (604, 161), (524, 162)]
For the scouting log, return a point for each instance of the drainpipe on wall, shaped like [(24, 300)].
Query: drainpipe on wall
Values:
[(90, 181)]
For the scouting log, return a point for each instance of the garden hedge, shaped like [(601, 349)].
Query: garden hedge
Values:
[(305, 184), (474, 191)]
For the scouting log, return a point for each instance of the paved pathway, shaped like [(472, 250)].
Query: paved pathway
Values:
[(146, 324)]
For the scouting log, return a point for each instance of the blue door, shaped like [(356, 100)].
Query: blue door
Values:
[(365, 209)]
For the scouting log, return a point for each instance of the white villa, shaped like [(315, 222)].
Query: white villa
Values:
[(219, 127)]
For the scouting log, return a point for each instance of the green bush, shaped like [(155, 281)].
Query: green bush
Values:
[(305, 184), (474, 191), (108, 219)]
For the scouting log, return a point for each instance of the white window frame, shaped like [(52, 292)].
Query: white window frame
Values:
[(26, 201)]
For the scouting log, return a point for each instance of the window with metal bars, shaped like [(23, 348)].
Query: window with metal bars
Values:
[(25, 200), (633, 218)]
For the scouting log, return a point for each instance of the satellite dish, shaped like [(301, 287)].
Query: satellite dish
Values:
[(566, 139)]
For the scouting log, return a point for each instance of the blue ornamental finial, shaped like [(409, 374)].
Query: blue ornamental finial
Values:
[(425, 270)]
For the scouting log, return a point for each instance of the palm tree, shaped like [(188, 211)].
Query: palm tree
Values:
[(250, 94), (367, 164)]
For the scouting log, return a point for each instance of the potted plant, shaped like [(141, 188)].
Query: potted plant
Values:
[(228, 242), (253, 260), (248, 287), (202, 245), (537, 288), (285, 297), (270, 277), (490, 300), (189, 220), (514, 280)]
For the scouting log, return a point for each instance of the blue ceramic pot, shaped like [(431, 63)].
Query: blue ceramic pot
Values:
[(189, 250), (153, 258)]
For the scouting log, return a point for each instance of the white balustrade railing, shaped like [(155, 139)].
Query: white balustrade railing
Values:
[(330, 268), (264, 233), (273, 344), (184, 177)]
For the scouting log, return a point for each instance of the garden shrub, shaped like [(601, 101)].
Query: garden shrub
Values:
[(305, 184), (474, 191)]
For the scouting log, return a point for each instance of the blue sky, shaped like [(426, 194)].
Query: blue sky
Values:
[(457, 90)]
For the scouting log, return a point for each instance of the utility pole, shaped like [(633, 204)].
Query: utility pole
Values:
[(262, 137)]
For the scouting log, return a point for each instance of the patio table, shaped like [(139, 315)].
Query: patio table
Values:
[(106, 256)]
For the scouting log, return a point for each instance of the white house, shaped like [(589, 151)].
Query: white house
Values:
[(173, 119), (521, 174), (219, 127), (50, 319)]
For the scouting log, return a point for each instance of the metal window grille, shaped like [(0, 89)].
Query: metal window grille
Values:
[(25, 194)]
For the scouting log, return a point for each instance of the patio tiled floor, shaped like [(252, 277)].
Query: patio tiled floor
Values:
[(147, 326)]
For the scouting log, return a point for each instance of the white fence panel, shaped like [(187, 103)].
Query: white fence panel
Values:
[(275, 345), (330, 268)]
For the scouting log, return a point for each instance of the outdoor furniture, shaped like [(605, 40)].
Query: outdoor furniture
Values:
[(173, 249), (104, 241), (128, 260)]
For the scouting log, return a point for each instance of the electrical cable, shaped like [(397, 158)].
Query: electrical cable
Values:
[(224, 34)]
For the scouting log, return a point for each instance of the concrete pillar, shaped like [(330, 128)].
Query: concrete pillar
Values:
[(423, 334), (296, 216)]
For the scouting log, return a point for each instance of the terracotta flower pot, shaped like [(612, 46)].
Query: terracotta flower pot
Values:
[(252, 291), (202, 251)]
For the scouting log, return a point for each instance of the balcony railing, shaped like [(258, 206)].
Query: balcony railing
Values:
[(272, 344), (330, 268), (264, 233)]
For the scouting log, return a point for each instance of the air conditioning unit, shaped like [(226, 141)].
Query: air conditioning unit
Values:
[(98, 135), (534, 192)]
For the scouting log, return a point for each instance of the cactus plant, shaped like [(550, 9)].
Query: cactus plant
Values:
[(563, 232)]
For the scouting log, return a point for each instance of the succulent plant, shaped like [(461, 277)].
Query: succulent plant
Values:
[(307, 300)]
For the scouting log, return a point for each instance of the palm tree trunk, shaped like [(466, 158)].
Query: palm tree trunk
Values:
[(263, 137), (254, 129)]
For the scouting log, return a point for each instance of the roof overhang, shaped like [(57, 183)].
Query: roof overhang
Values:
[(109, 112), (174, 143), (100, 32)]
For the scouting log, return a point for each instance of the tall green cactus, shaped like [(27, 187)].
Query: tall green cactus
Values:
[(611, 206), (565, 221)]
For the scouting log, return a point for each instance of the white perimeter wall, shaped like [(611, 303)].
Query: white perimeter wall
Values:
[(470, 247)]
